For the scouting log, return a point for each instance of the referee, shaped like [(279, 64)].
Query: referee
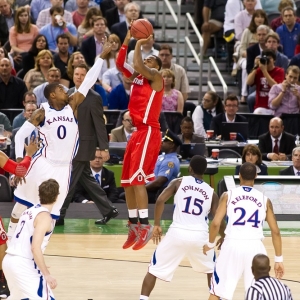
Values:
[(266, 287)]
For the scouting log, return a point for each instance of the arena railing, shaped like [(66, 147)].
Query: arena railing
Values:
[(212, 64)]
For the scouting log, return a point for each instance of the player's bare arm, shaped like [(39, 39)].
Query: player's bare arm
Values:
[(276, 240), (42, 225), (213, 209), (215, 225), (168, 192), (37, 117), (140, 66)]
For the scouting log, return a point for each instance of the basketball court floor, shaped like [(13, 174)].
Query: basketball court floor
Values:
[(89, 263)]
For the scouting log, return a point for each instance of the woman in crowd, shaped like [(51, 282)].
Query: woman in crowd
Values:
[(249, 38), (40, 43), (37, 76), (75, 60), (110, 58), (172, 98), (4, 54), (85, 29), (210, 107), (23, 33), (252, 154)]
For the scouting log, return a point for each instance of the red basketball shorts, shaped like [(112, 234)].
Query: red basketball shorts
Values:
[(140, 156)]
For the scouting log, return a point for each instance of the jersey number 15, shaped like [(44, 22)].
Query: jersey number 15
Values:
[(193, 207)]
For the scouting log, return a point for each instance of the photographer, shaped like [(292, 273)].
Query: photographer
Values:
[(264, 75), (285, 97)]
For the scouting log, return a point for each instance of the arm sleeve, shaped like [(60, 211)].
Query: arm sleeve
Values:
[(19, 169), (121, 64), (20, 137), (91, 77)]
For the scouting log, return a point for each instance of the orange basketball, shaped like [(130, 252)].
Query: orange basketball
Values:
[(141, 29)]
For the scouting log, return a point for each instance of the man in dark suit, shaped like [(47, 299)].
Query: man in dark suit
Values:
[(231, 108), (132, 11), (293, 170), (276, 144), (92, 46), (104, 177), (92, 132), (116, 14)]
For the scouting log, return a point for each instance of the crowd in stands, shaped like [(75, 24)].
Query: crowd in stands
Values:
[(43, 41)]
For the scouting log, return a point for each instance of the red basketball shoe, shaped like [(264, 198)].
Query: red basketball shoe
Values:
[(132, 234), (145, 234)]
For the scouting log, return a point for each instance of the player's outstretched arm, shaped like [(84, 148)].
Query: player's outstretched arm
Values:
[(42, 225), (216, 222), (19, 169), (121, 63), (168, 192), (276, 239)]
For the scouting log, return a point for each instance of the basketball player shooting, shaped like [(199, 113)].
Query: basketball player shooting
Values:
[(144, 145)]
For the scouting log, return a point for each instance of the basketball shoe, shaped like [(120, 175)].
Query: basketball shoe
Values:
[(4, 291), (144, 235), (132, 234)]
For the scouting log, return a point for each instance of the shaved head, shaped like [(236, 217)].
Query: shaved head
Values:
[(260, 266)]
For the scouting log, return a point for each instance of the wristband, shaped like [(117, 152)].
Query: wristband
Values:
[(211, 245), (278, 259), (66, 30)]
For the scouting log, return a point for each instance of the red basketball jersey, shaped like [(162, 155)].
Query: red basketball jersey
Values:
[(145, 103)]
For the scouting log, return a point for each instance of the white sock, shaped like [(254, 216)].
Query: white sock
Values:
[(133, 213), (11, 230), (142, 297), (143, 213)]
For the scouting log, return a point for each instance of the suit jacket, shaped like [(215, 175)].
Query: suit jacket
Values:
[(118, 135), (91, 126), (216, 122), (195, 138), (112, 16), (252, 52), (288, 171), (120, 29), (4, 32), (287, 144), (108, 184), (88, 50)]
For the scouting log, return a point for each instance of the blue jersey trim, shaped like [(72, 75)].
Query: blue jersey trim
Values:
[(22, 201)]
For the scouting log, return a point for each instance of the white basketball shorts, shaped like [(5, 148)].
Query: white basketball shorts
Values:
[(40, 170), (177, 244), (235, 258)]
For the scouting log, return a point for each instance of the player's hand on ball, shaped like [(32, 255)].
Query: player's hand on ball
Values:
[(156, 235), (51, 281), (279, 270), (145, 41)]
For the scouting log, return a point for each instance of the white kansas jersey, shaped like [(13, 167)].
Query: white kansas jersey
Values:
[(59, 135), (192, 203), (20, 243), (246, 212)]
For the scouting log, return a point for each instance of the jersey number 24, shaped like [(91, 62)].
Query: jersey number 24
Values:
[(242, 220)]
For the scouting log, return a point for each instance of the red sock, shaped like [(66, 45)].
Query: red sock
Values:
[(19, 169)]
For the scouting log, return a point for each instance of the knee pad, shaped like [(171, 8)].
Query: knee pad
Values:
[(18, 210), (3, 236)]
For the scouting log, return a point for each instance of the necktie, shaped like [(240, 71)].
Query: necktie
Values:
[(298, 173), (97, 178), (276, 149), (209, 111)]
